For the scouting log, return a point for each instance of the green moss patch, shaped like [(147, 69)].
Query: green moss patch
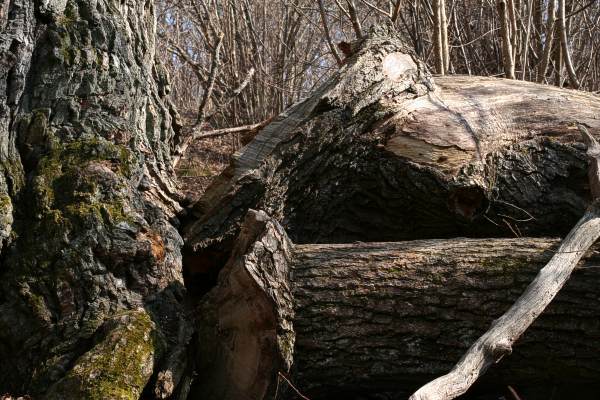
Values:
[(65, 183), (118, 366)]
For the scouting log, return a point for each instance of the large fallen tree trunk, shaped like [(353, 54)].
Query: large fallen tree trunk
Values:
[(364, 319), (383, 152), (497, 342)]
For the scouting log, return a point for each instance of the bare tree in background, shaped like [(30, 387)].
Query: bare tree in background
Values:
[(507, 39), (438, 38)]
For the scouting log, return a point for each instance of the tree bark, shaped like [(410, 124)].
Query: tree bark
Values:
[(381, 152), (374, 319), (90, 276), (498, 341)]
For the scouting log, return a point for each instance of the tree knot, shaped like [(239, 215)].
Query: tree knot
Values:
[(499, 349)]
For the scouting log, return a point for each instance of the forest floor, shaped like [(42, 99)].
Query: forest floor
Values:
[(204, 160)]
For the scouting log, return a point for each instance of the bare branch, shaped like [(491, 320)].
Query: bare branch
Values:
[(396, 11), (354, 19), (334, 51), (234, 95), (214, 69), (376, 9)]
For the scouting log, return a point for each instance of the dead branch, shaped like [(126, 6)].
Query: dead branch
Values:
[(227, 131)]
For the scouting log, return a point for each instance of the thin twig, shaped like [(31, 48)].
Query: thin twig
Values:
[(293, 387), (513, 393), (396, 11)]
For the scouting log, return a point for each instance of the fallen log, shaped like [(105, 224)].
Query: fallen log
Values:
[(384, 152), (497, 342), (368, 319)]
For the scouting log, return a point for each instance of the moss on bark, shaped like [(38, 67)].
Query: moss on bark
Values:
[(118, 366)]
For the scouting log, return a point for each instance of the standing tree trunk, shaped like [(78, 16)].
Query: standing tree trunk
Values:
[(444, 31), (547, 44), (438, 37), (507, 45), (558, 57), (90, 265)]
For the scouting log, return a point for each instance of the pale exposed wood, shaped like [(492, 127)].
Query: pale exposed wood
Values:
[(470, 117), (498, 341), (246, 335)]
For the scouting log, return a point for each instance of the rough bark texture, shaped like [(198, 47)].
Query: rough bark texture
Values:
[(382, 153), (90, 264), (498, 341), (372, 320)]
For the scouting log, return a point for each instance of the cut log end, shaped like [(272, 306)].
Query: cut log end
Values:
[(246, 337)]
